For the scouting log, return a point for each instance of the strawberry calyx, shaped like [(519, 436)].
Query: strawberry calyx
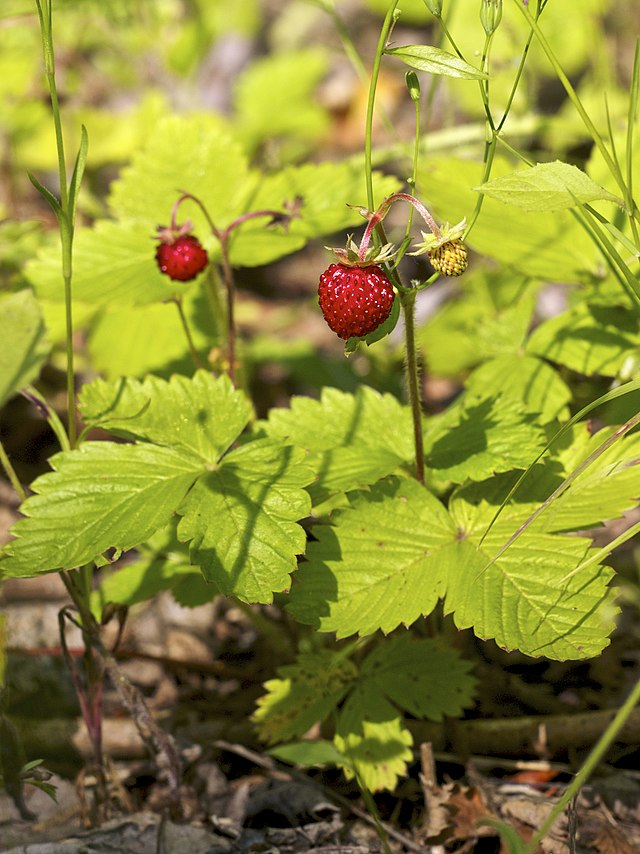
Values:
[(169, 234), (352, 256), (447, 234)]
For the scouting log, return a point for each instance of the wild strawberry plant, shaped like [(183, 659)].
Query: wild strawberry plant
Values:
[(360, 512)]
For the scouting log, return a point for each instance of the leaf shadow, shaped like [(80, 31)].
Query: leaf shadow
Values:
[(224, 564)]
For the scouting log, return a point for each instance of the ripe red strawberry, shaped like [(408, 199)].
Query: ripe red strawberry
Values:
[(180, 257), (355, 300)]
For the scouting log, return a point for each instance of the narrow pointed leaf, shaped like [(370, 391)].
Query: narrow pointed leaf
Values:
[(48, 196), (78, 172), (425, 57)]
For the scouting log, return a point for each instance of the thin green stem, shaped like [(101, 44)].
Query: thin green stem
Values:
[(213, 288), (187, 331), (594, 758), (408, 303), (518, 77), (387, 27), (490, 150), (354, 57), (413, 180), (11, 473), (631, 120), (66, 223), (230, 287), (48, 412)]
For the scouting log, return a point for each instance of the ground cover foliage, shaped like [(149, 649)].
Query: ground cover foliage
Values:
[(469, 471)]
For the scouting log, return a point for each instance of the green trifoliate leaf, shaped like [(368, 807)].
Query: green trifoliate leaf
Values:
[(303, 694), (241, 520), (476, 438), (546, 187), (383, 563), (24, 346), (353, 440), (425, 57), (99, 497), (202, 415), (424, 679)]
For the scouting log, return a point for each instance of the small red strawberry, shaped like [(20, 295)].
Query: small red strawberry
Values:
[(355, 299), (180, 254)]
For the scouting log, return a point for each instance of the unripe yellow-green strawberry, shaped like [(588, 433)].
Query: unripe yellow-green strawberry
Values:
[(450, 258)]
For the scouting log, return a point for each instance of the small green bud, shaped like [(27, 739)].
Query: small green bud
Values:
[(491, 15), (413, 85), (435, 7)]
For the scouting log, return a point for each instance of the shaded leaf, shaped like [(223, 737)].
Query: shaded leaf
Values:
[(529, 381), (476, 438), (308, 754), (588, 339), (241, 520), (353, 440), (25, 348), (384, 562), (420, 676), (303, 694)]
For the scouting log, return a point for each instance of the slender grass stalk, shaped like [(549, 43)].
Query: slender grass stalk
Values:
[(631, 121), (592, 761), (229, 281), (573, 96), (408, 303), (385, 32), (11, 473), (187, 331), (67, 209)]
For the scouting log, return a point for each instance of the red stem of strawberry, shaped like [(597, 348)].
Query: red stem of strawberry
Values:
[(229, 282), (196, 200), (383, 210), (276, 216)]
